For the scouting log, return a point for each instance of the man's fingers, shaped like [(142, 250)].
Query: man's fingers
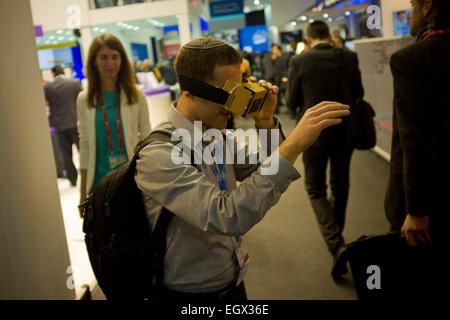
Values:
[(331, 115), (320, 105), (329, 106), (252, 79), (411, 240)]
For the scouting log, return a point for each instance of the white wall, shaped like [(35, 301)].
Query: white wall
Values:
[(33, 246), (387, 9), (53, 14)]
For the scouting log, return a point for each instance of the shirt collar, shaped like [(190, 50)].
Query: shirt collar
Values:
[(179, 121), (320, 42), (60, 76)]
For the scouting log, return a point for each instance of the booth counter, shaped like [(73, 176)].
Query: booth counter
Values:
[(159, 101)]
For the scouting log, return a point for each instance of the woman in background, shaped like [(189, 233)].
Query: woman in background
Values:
[(112, 113)]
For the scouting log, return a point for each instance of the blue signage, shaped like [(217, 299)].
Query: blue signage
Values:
[(226, 7), (254, 39)]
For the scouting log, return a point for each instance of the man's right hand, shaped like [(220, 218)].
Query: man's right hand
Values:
[(315, 119)]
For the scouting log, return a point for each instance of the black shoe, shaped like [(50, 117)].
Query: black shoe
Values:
[(340, 262)]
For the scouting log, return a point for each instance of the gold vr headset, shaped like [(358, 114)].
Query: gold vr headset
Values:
[(244, 99)]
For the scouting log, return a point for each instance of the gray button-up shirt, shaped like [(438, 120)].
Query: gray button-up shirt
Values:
[(200, 252)]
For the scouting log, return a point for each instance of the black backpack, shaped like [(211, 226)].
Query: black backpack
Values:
[(125, 255)]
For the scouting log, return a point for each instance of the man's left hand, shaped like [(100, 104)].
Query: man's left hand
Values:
[(415, 229), (264, 118)]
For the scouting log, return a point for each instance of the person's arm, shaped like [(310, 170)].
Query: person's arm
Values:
[(84, 148), (144, 118), (184, 190), (315, 119), (357, 86), (416, 136), (83, 173), (294, 95)]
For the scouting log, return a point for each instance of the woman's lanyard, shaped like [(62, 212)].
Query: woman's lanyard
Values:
[(439, 32), (220, 177), (108, 130)]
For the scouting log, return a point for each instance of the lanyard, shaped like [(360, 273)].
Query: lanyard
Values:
[(439, 32), (220, 177), (108, 130)]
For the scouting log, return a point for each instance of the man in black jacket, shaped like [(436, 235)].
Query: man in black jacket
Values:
[(326, 74), (61, 95), (417, 194)]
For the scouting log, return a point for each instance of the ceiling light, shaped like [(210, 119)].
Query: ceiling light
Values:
[(347, 13), (311, 20), (246, 9), (71, 38), (55, 42), (330, 19), (47, 42), (68, 32), (51, 37), (257, 2), (103, 30), (61, 38), (293, 23), (303, 18), (129, 27), (325, 15), (59, 31), (96, 29), (136, 28)]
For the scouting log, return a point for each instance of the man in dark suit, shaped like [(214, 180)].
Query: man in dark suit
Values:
[(417, 194), (326, 74), (281, 70), (61, 95)]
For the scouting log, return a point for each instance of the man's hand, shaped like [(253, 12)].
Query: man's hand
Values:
[(315, 119), (264, 118), (415, 229)]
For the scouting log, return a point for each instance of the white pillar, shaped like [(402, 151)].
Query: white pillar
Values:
[(33, 246), (184, 29), (86, 40)]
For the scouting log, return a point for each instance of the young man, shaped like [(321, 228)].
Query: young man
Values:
[(206, 258), (326, 73)]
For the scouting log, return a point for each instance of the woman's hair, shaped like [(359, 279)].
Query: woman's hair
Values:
[(125, 77)]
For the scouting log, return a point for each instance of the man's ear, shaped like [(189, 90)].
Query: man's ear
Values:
[(187, 95), (428, 8), (308, 41), (330, 39)]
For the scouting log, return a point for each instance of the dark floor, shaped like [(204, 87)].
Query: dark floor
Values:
[(289, 259)]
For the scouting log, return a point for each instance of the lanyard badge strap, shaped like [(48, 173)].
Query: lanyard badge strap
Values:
[(108, 130), (220, 177)]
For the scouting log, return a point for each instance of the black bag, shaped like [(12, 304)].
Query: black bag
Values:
[(361, 132), (361, 127), (384, 267), (125, 255)]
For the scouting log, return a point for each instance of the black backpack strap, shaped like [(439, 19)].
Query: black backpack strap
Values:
[(160, 234), (160, 230), (154, 136)]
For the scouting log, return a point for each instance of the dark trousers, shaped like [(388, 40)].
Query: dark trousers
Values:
[(66, 139), (228, 294), (57, 155), (330, 213)]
